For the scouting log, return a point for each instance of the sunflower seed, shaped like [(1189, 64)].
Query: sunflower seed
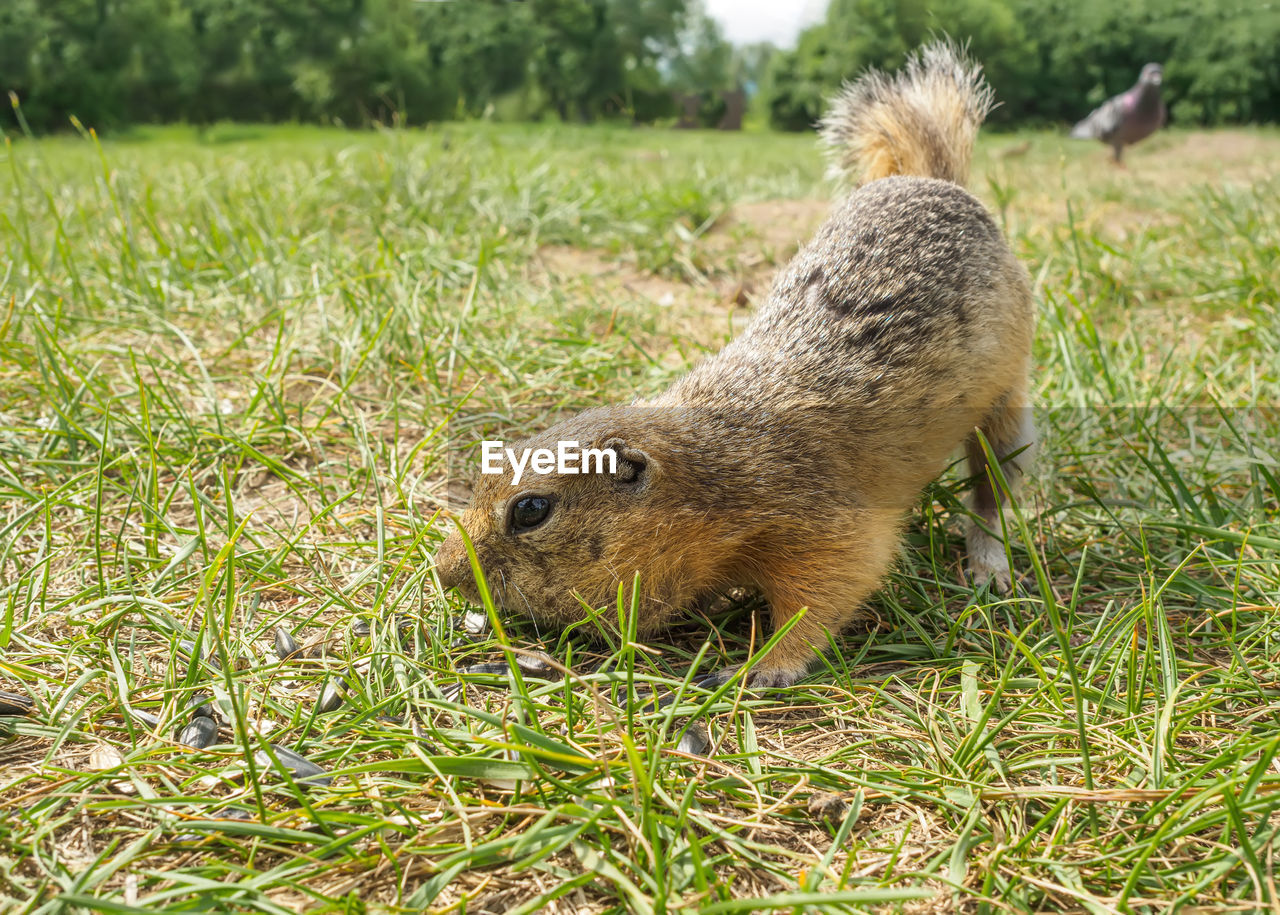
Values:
[(215, 821), (427, 746), (286, 645), (303, 770), (696, 741), (103, 757), (534, 664), (657, 702), (200, 733), (188, 647), (537, 664), (360, 628), (495, 667), (202, 706), (332, 695), (145, 718), (15, 704)]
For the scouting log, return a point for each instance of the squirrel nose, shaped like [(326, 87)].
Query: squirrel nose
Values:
[(451, 562)]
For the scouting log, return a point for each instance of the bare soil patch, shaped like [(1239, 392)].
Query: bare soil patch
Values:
[(1121, 202), (779, 226), (1228, 147), (732, 266)]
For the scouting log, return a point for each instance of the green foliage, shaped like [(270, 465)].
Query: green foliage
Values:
[(115, 62), (705, 59), (1049, 60), (798, 82), (111, 63)]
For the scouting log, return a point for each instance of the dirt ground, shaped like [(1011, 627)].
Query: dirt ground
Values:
[(746, 246), (743, 251)]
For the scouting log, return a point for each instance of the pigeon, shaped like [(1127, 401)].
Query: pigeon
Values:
[(1128, 117)]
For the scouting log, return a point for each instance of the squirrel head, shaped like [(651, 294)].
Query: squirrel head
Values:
[(551, 542)]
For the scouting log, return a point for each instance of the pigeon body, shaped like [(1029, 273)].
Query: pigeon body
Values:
[(1128, 117)]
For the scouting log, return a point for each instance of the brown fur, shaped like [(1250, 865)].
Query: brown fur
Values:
[(923, 121), (788, 461)]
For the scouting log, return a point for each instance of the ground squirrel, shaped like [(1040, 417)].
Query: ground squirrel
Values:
[(788, 461)]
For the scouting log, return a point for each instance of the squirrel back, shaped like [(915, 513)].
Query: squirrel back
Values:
[(908, 279), (921, 121)]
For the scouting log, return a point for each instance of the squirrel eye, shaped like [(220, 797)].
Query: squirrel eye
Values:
[(529, 512)]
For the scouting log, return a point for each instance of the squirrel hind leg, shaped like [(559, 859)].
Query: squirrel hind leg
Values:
[(1011, 434)]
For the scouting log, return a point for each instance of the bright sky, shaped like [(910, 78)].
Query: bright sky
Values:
[(779, 21)]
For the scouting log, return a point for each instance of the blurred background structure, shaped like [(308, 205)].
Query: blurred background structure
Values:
[(112, 63)]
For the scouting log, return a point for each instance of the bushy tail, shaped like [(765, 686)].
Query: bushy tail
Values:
[(922, 120)]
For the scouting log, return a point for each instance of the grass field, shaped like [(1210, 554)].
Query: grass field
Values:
[(239, 368)]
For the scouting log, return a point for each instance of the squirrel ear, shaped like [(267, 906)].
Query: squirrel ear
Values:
[(633, 464)]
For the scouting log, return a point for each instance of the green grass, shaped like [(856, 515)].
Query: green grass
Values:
[(232, 385)]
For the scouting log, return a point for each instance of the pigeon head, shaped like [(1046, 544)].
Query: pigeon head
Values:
[(1152, 75)]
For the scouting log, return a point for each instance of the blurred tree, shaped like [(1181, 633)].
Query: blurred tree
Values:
[(646, 30), (115, 62), (577, 57), (751, 64), (1049, 60), (703, 59), (701, 69), (797, 82), (23, 26), (391, 68), (1223, 61)]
